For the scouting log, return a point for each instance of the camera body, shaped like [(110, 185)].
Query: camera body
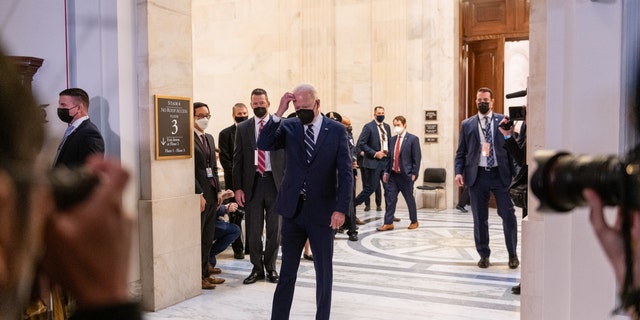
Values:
[(560, 178), (516, 113)]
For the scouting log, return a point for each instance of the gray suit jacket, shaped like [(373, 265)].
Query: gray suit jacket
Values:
[(244, 166)]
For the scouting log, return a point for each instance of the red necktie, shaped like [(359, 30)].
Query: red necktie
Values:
[(262, 162), (396, 166)]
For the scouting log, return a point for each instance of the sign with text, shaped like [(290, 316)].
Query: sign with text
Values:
[(430, 140), (431, 115), (431, 128), (174, 133)]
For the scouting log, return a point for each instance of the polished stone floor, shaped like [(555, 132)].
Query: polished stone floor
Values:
[(427, 273)]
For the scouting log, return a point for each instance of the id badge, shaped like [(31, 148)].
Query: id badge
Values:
[(486, 148), (209, 173)]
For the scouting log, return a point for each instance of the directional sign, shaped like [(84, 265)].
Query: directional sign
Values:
[(174, 127)]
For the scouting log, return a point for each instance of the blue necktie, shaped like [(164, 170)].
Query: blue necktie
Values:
[(489, 137), (64, 139), (308, 142)]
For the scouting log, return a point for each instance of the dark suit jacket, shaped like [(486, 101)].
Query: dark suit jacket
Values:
[(226, 140), (329, 175), (468, 154), (244, 165), (200, 165), (410, 155), (369, 142), (84, 141)]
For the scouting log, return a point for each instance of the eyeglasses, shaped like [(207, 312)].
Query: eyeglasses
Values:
[(202, 116)]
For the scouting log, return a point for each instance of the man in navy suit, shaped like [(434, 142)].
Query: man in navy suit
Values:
[(401, 172), (82, 138), (373, 144), (484, 166), (315, 193)]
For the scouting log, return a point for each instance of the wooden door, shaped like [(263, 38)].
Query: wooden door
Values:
[(485, 69)]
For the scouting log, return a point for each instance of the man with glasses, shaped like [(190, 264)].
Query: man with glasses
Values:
[(207, 185)]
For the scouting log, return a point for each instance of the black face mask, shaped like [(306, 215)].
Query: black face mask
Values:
[(64, 115), (349, 129), (379, 118), (305, 115), (260, 111), (240, 119), (483, 107)]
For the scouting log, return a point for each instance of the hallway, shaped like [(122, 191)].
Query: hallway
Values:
[(428, 273)]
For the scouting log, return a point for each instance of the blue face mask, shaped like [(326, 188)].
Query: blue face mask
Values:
[(379, 118)]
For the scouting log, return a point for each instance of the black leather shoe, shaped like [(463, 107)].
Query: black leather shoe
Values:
[(353, 236), (253, 277), (515, 289), (238, 255), (367, 208), (483, 263), (272, 276), (378, 208), (461, 209), (513, 262), (307, 256)]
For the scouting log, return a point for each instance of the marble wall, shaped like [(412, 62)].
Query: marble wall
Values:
[(402, 55)]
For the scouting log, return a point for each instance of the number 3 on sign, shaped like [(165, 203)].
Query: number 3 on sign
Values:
[(174, 125)]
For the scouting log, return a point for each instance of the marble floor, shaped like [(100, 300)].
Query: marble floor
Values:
[(427, 273)]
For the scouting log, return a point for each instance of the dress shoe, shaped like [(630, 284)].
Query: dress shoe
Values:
[(413, 225), (213, 270), (396, 219), (272, 276), (461, 209), (238, 255), (307, 256), (385, 227), (359, 222), (367, 208), (378, 208), (253, 277), (214, 280), (515, 289), (513, 262), (483, 263), (206, 285), (353, 237)]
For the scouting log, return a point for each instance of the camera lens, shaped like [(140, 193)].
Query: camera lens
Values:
[(560, 178)]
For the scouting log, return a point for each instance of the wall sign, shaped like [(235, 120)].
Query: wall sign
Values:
[(431, 128), (174, 127), (431, 115), (430, 140)]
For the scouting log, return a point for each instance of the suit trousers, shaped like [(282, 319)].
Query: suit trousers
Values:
[(399, 183), (207, 229), (259, 212), (295, 233), (365, 173), (374, 176), (489, 182)]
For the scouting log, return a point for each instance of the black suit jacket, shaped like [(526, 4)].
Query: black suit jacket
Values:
[(244, 166), (203, 185), (84, 141), (226, 140)]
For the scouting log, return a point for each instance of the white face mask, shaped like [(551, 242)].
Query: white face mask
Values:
[(202, 123), (398, 130)]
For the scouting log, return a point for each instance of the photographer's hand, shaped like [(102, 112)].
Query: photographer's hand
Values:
[(88, 245), (611, 240), (506, 133)]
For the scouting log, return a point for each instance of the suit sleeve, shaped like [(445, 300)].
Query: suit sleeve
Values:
[(226, 150), (345, 177), (461, 153), (238, 163), (416, 157), (363, 140), (272, 136)]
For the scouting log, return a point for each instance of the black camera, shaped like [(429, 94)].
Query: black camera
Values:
[(70, 186), (560, 178), (516, 113)]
